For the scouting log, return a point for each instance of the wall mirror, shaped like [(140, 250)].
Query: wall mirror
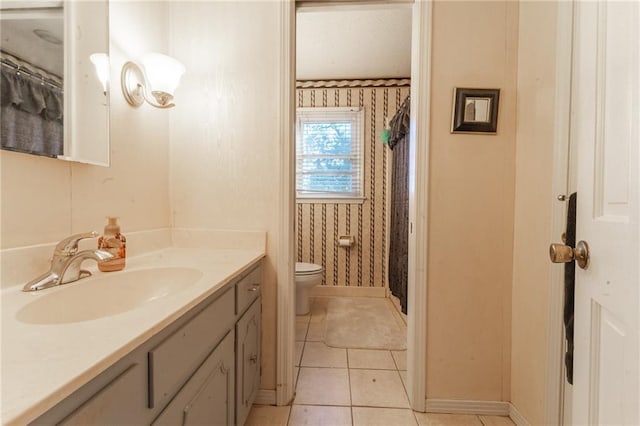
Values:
[(54, 74), (475, 110)]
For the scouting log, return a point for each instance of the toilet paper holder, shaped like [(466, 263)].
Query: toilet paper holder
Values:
[(346, 241)]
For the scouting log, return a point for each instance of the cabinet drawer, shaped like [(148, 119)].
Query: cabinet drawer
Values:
[(174, 360), (248, 289)]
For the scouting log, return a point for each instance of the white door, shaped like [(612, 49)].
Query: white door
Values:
[(605, 131)]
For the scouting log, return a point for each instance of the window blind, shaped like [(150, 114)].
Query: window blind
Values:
[(329, 152)]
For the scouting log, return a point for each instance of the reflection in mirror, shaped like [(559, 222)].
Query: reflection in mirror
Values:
[(45, 50), (477, 110), (32, 57)]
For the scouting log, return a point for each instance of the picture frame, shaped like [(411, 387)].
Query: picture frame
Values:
[(475, 110)]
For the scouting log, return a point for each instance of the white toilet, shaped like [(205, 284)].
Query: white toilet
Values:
[(308, 275)]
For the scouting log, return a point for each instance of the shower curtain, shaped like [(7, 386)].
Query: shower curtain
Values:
[(399, 231), (31, 114)]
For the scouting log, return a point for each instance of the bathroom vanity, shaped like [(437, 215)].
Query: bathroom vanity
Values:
[(188, 356)]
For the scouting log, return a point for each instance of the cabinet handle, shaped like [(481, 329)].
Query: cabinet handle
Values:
[(253, 358), (255, 287)]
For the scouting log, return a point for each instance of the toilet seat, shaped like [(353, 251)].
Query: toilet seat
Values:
[(303, 268)]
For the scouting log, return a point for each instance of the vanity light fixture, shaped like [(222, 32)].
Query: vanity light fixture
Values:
[(101, 62), (158, 76)]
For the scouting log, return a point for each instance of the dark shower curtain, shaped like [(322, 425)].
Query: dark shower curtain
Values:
[(31, 114), (399, 232)]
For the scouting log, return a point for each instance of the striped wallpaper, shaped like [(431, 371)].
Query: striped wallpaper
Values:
[(319, 225)]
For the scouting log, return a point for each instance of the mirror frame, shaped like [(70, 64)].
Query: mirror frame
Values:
[(80, 73), (460, 96)]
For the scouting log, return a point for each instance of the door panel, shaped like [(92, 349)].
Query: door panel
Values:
[(604, 129), (607, 354)]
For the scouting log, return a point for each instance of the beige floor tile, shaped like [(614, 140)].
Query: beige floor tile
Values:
[(298, 353), (377, 388), (315, 333), (267, 415), (496, 421), (433, 419), (319, 309), (317, 354), (371, 359), (319, 415), (367, 416), (400, 357), (301, 329), (296, 371), (403, 377), (323, 386)]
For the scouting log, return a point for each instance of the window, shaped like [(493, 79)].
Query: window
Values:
[(329, 152)]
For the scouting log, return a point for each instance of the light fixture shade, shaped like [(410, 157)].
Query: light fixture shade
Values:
[(163, 72), (101, 62)]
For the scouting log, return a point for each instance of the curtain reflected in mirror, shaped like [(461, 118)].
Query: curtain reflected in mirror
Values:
[(32, 107), (31, 77)]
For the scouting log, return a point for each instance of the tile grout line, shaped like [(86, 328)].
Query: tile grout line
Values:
[(289, 416), (348, 368), (350, 393)]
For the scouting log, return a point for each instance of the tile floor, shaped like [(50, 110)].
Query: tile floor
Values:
[(351, 387)]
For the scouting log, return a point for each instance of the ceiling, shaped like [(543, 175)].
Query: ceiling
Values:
[(353, 42), (18, 27)]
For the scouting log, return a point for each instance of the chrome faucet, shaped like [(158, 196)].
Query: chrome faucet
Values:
[(66, 262)]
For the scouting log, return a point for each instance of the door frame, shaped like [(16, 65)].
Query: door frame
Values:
[(418, 205), (554, 394)]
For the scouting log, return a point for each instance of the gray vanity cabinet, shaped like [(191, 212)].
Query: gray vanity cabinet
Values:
[(247, 360), (204, 368), (115, 403), (207, 398), (174, 360)]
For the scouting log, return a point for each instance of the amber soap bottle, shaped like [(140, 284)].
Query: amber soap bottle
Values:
[(115, 243)]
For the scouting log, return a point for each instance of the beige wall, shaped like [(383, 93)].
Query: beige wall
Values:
[(225, 130), (45, 200), (471, 206), (319, 225), (533, 221), (224, 174)]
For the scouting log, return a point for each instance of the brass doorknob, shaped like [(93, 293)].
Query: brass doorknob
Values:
[(561, 253)]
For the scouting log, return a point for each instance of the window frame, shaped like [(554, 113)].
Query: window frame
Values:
[(350, 112)]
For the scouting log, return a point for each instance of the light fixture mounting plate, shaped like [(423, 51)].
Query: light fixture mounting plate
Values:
[(132, 81)]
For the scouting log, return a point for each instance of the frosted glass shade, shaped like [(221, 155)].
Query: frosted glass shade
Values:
[(163, 72), (101, 62)]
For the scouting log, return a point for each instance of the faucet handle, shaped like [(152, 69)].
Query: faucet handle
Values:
[(69, 246)]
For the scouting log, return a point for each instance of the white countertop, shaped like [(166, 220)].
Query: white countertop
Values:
[(43, 364)]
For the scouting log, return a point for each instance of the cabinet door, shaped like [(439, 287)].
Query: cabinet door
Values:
[(208, 397), (247, 360), (120, 402), (170, 365)]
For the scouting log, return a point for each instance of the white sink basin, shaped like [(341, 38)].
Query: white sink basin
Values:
[(106, 294)]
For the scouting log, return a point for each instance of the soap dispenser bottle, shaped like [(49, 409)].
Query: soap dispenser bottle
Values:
[(115, 243)]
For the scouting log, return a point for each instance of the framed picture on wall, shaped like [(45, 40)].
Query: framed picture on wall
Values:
[(475, 110)]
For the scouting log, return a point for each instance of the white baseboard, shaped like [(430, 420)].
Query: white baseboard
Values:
[(265, 397), (454, 406), (517, 417), (344, 291)]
